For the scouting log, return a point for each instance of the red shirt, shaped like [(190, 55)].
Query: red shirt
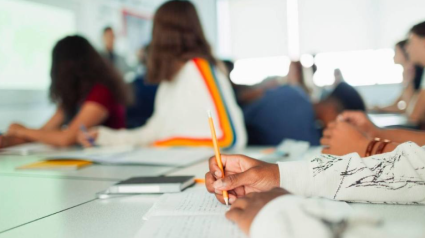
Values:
[(116, 111)]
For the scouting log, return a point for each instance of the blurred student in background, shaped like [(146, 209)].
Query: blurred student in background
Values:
[(287, 113), (190, 81), (110, 54), (354, 131), (86, 90), (412, 76), (144, 94), (248, 94)]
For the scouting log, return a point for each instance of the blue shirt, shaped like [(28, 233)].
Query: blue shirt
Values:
[(282, 113)]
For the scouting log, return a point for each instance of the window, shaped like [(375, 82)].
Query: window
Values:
[(28, 33), (367, 67)]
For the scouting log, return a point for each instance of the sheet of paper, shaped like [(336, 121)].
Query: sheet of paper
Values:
[(92, 153), (168, 156), (30, 149), (190, 227), (193, 202), (159, 156), (148, 156), (193, 213)]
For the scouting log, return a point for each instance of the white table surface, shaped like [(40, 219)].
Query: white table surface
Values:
[(25, 199), (116, 217), (390, 119), (122, 217)]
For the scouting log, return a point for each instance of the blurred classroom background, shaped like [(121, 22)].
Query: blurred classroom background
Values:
[(261, 37)]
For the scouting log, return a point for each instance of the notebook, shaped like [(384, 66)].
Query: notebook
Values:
[(172, 184), (191, 214), (57, 165)]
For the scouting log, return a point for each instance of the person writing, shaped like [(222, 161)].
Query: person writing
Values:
[(260, 192)]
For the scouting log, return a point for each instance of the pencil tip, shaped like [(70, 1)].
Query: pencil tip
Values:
[(226, 200), (209, 113)]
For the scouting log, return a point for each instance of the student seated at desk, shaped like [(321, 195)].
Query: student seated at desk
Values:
[(412, 77), (287, 113), (87, 91), (395, 177), (190, 82)]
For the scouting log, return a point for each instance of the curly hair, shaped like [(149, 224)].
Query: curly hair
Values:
[(76, 68)]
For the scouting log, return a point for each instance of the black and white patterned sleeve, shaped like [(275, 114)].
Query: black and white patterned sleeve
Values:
[(397, 177)]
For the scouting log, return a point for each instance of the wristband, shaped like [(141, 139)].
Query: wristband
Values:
[(369, 148), (382, 146)]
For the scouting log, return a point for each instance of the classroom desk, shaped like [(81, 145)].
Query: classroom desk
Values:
[(122, 216), (25, 199), (115, 217), (398, 220), (100, 172), (390, 120)]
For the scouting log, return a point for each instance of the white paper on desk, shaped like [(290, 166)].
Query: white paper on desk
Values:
[(194, 213), (161, 156), (30, 149), (148, 156), (93, 153)]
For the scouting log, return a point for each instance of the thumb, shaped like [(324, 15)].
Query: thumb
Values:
[(236, 180)]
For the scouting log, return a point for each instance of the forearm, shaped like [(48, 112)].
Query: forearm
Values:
[(402, 135), (55, 138), (108, 137), (395, 177)]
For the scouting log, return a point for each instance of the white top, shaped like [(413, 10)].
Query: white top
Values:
[(180, 112), (397, 177)]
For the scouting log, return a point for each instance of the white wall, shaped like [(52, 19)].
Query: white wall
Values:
[(257, 28), (335, 25)]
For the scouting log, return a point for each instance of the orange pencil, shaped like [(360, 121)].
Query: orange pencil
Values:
[(217, 154)]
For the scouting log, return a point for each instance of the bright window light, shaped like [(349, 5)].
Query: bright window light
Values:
[(307, 60), (28, 33), (367, 67), (255, 70)]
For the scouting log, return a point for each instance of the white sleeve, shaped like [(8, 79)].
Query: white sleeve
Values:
[(397, 177), (292, 216), (142, 136)]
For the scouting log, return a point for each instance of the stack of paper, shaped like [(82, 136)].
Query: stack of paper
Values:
[(194, 213)]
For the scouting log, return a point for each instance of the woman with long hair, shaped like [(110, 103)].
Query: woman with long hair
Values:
[(190, 81), (406, 102), (87, 91)]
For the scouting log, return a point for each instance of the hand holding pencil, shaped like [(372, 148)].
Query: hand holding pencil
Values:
[(234, 176), (217, 154)]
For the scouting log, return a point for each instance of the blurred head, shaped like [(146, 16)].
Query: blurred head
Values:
[(177, 37), (338, 76), (401, 57), (109, 38), (142, 55), (295, 74), (343, 97), (229, 66), (416, 44), (76, 68)]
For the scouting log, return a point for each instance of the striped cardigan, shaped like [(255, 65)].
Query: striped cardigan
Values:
[(180, 117)]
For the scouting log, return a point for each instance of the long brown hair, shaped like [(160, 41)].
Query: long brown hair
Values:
[(177, 37), (76, 68)]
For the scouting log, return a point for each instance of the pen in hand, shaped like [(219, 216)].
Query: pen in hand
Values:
[(217, 154), (90, 139)]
